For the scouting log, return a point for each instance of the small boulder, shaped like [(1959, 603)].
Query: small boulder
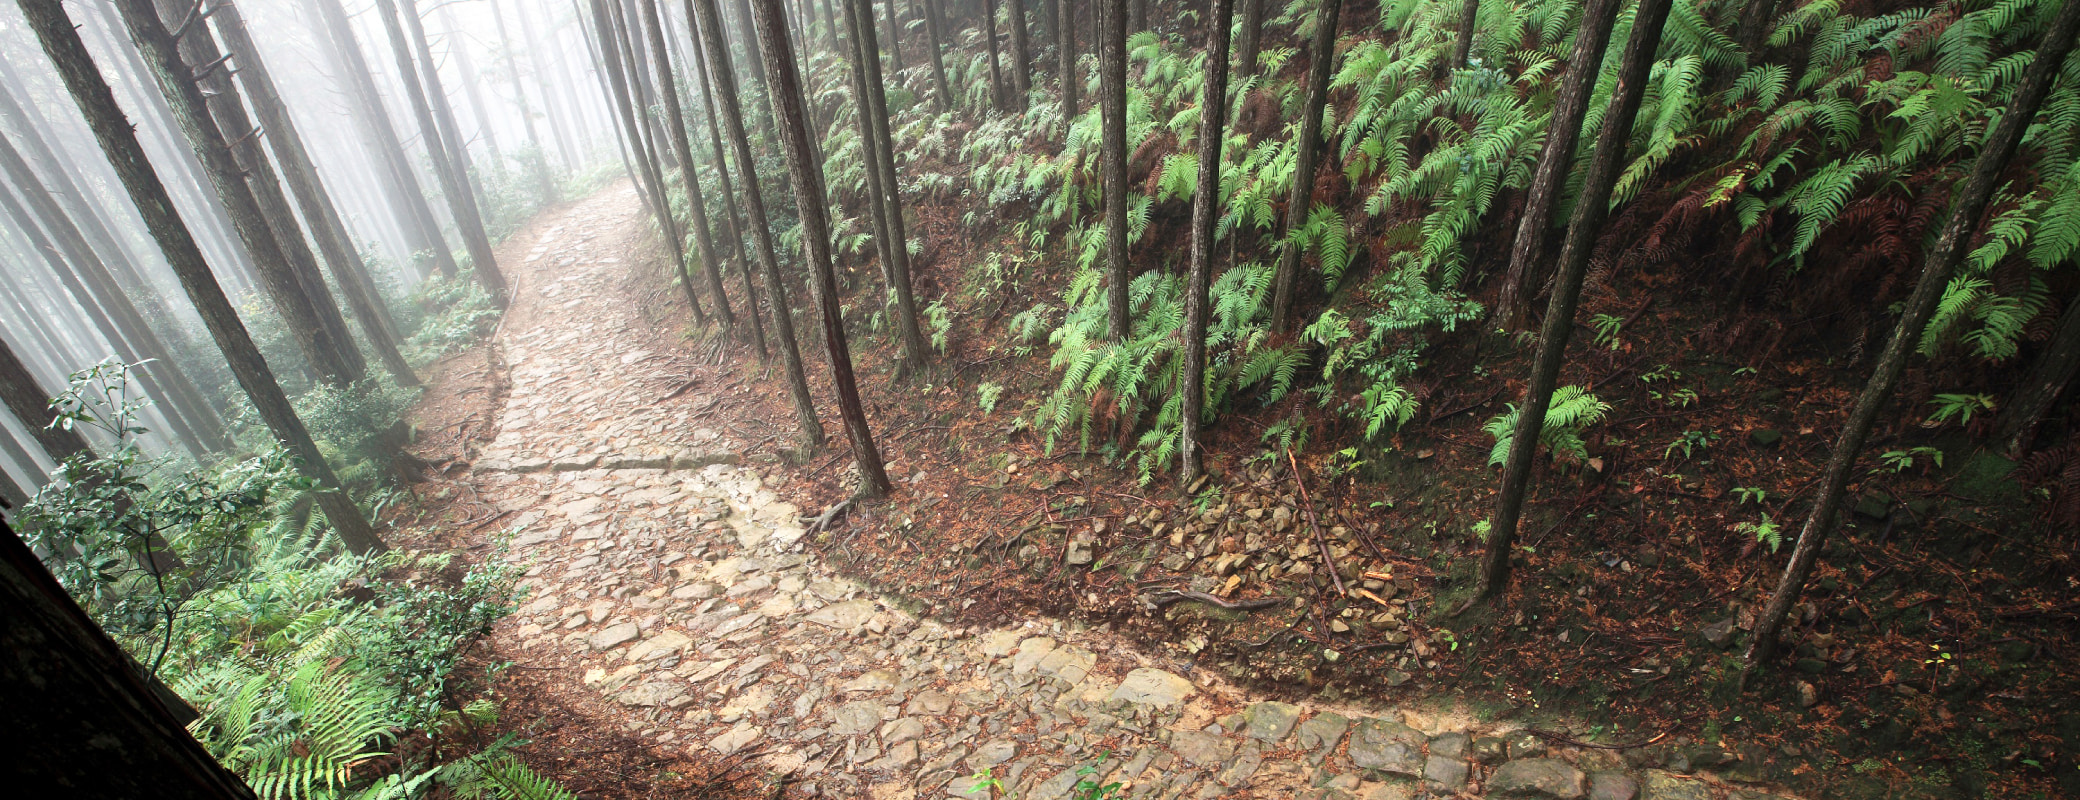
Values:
[(1539, 777)]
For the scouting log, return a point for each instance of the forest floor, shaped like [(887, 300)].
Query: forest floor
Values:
[(695, 624)]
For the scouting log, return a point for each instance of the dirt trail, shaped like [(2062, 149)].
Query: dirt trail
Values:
[(670, 592)]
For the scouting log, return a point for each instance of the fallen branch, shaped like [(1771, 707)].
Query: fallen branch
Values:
[(824, 519), (1178, 596), (681, 390), (1320, 542)]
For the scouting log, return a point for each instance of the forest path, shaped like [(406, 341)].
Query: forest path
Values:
[(670, 592)]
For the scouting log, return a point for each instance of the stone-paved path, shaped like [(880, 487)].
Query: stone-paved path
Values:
[(672, 586)]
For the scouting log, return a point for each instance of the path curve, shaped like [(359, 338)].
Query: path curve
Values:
[(671, 586)]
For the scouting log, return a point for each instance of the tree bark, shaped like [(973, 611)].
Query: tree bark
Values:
[(1021, 57), (1252, 35), (462, 205), (1950, 249), (1469, 18), (808, 192), (87, 720), (895, 31), (887, 189), (1112, 108), (537, 163), (754, 204), (731, 227), (1305, 161), (472, 92), (675, 123), (1582, 229), (1066, 31), (936, 39), (996, 73), (1520, 284), (32, 405), (1205, 207), (620, 61), (326, 355), (558, 125), (318, 212), (84, 276), (405, 201), (119, 144)]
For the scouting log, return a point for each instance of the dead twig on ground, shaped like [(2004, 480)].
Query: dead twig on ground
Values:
[(1320, 542), (1162, 599)]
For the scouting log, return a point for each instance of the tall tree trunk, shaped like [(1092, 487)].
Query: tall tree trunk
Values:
[(1021, 58), (400, 182), (2047, 379), (1950, 250), (1582, 229), (869, 144), (462, 205), (223, 104), (675, 124), (1112, 108), (119, 144), (989, 34), (326, 355), (619, 61), (472, 92), (318, 212), (1252, 34), (538, 162), (1065, 30), (1212, 112), (1752, 33), (731, 214), (887, 202), (119, 322), (1469, 18), (555, 112), (1520, 284), (895, 32), (936, 42), (1305, 161), (808, 192), (88, 721), (754, 204)]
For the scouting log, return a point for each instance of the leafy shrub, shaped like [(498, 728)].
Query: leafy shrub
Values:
[(1573, 409)]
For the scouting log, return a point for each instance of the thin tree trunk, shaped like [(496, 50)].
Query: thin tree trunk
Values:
[(895, 32), (769, 263), (1582, 229), (731, 216), (119, 144), (87, 280), (1469, 18), (405, 201), (1112, 107), (1305, 161), (1520, 284), (538, 162), (1252, 33), (558, 125), (1021, 57), (326, 355), (996, 77), (808, 192), (32, 405), (223, 104), (2047, 379), (1212, 112), (675, 122), (1066, 31), (471, 89), (462, 205), (887, 202), (936, 40), (619, 61), (1950, 249), (869, 144), (318, 211)]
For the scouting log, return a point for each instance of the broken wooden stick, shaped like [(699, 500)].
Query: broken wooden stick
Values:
[(1177, 596)]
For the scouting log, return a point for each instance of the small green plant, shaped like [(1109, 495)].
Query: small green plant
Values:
[(1958, 407), (1765, 530), (987, 395), (941, 322), (1898, 461), (985, 784), (1690, 442), (1750, 494), (1607, 329), (1662, 386), (1088, 788), (1572, 410)]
